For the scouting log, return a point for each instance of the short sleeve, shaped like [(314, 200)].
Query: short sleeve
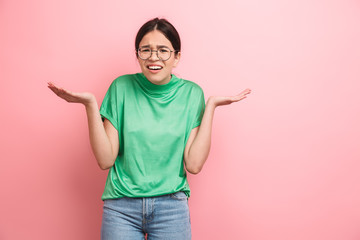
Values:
[(110, 105), (199, 108)]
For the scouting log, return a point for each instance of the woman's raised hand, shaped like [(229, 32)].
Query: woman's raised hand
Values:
[(218, 101), (74, 97)]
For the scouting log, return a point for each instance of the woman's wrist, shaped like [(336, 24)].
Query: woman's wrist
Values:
[(211, 102), (90, 102)]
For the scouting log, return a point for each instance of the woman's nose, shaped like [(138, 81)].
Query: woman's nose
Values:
[(154, 55)]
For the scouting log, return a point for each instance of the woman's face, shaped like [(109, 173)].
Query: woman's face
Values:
[(156, 70)]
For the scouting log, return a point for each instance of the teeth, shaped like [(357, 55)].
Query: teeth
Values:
[(154, 67)]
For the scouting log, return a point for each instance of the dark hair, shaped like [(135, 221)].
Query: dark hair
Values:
[(164, 27)]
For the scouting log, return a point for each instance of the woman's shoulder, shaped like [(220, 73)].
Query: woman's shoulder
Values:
[(192, 86), (123, 80)]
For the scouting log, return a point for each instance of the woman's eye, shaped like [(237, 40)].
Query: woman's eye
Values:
[(145, 50), (163, 50)]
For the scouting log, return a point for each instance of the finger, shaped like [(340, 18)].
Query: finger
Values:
[(55, 89), (238, 98), (245, 92), (62, 93), (51, 84), (242, 98), (58, 93), (69, 93)]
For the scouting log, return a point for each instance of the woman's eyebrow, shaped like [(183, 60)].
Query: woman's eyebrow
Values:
[(158, 46)]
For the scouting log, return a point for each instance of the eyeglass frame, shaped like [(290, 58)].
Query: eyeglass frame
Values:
[(157, 53)]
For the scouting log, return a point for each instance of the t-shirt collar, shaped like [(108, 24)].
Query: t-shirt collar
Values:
[(157, 89)]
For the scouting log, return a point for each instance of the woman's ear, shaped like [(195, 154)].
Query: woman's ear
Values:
[(177, 59)]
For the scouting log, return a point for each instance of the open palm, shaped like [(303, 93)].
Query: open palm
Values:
[(219, 100), (74, 97)]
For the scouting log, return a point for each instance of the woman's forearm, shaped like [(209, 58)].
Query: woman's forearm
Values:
[(102, 148), (200, 147), (104, 137)]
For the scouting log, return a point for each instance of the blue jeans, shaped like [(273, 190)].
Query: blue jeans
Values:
[(162, 217)]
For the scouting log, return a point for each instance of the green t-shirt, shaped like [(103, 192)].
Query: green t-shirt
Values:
[(154, 123)]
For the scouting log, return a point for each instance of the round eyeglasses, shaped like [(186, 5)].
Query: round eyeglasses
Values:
[(163, 53)]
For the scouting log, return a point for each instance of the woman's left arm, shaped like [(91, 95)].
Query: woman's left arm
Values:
[(198, 145)]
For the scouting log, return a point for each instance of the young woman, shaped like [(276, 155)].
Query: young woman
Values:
[(150, 128)]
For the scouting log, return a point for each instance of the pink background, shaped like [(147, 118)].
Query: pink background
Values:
[(284, 163)]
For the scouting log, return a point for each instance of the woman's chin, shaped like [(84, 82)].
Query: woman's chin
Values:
[(157, 79)]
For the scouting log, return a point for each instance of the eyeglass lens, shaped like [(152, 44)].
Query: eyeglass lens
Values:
[(163, 53)]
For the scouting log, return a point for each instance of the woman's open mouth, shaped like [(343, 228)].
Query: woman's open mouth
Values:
[(154, 68)]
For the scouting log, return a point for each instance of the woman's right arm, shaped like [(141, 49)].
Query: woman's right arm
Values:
[(104, 138)]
